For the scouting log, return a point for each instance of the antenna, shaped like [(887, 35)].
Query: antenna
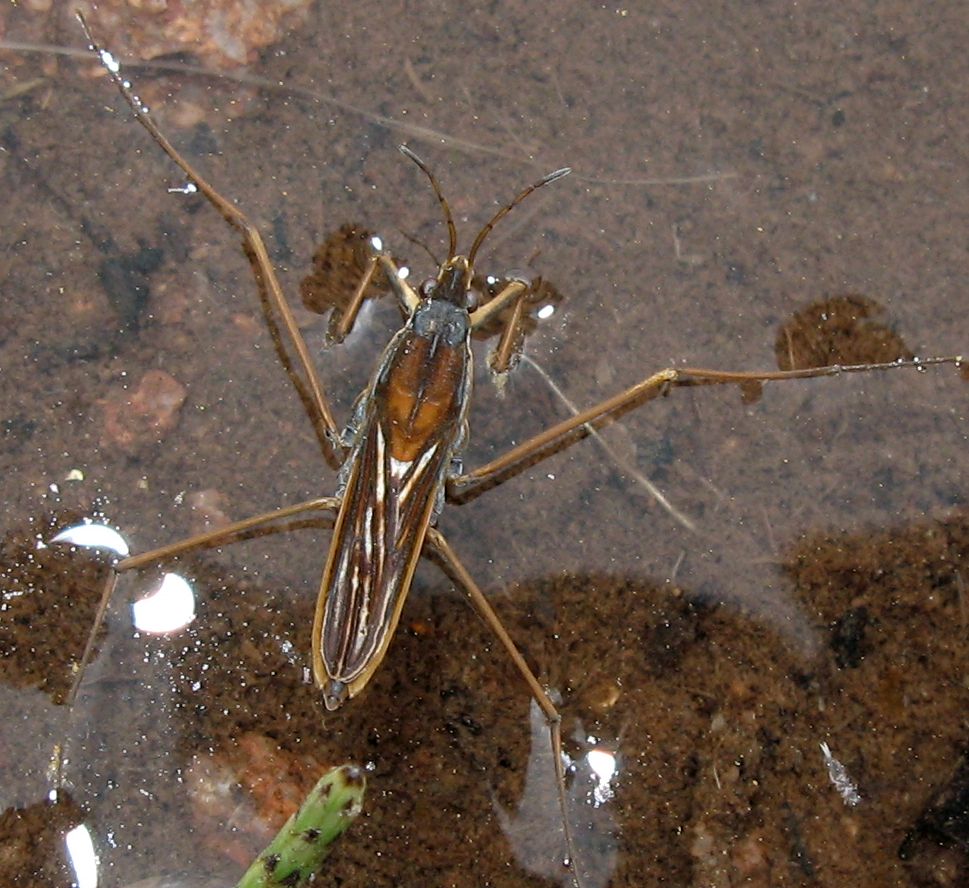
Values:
[(451, 230), (505, 210)]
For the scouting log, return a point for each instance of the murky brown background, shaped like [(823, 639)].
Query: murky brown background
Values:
[(732, 164)]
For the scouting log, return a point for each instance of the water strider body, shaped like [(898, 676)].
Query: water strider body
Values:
[(411, 424)]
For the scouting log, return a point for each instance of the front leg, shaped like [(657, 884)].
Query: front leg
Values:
[(252, 240)]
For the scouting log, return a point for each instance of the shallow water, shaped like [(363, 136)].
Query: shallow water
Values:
[(821, 598)]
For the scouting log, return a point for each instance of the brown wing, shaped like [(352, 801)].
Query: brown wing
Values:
[(413, 421)]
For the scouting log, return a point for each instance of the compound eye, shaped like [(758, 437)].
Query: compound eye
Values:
[(426, 287), (474, 297)]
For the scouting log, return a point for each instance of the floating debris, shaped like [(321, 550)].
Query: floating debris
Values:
[(838, 775)]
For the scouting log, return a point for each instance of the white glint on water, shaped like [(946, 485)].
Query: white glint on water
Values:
[(603, 766), (169, 608), (109, 61), (83, 858), (94, 536)]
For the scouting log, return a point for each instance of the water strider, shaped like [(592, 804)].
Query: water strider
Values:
[(399, 454)]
